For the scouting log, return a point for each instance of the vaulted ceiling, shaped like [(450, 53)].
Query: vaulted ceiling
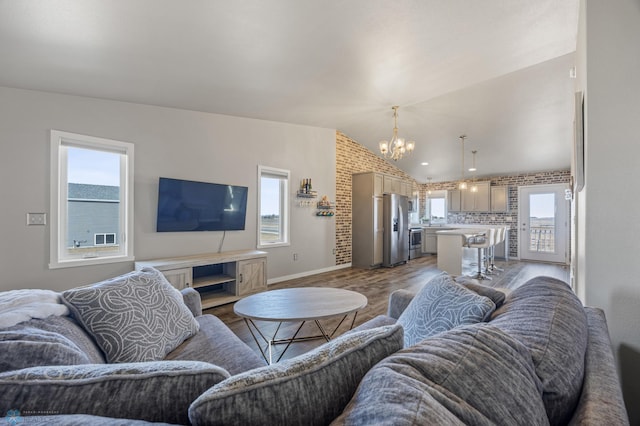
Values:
[(495, 70)]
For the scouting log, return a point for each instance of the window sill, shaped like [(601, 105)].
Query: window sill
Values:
[(264, 246), (72, 263)]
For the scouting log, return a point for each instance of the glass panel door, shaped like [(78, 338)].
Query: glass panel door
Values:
[(543, 223)]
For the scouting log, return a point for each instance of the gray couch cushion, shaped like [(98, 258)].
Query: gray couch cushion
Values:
[(474, 375), (217, 344), (441, 305), (135, 317), (78, 420), (547, 317), (153, 391), (497, 296), (51, 341), (311, 389)]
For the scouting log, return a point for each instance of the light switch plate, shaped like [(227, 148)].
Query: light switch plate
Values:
[(36, 218)]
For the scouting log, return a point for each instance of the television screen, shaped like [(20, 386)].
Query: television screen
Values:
[(185, 205)]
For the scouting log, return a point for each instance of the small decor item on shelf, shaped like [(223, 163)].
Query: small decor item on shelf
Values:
[(306, 189), (325, 207), (324, 202)]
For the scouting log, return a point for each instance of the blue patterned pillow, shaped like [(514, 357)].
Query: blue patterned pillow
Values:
[(441, 305), (135, 317)]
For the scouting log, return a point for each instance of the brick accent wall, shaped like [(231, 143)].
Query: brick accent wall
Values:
[(351, 157)]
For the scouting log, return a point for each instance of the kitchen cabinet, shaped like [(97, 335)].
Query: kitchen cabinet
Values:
[(500, 199), (367, 227), (454, 200), (430, 240), (392, 185), (477, 201)]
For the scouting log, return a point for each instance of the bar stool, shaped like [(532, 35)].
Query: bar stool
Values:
[(501, 233), (482, 244)]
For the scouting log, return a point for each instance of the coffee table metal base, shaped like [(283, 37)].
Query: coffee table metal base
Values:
[(267, 352)]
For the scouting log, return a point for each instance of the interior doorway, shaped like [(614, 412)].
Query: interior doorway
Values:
[(543, 227)]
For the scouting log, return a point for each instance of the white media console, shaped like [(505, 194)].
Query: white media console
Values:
[(219, 277)]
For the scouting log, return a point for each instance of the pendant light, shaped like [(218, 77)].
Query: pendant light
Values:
[(474, 186), (463, 184)]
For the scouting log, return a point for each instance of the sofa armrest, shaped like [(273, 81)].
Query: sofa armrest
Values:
[(192, 299), (398, 302), (601, 401), (158, 391)]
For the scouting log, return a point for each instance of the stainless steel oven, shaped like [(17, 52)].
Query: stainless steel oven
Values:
[(415, 243)]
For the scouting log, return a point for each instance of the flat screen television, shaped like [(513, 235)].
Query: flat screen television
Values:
[(185, 205)]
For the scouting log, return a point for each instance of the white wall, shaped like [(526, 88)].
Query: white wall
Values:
[(168, 142), (611, 204)]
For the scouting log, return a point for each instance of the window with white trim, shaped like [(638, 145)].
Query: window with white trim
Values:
[(437, 207), (91, 200), (273, 207)]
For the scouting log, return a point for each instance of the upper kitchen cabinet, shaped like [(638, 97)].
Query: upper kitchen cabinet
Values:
[(454, 200), (500, 199), (392, 185), (477, 201)]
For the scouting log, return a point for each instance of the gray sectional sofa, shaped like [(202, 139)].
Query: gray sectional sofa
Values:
[(450, 354)]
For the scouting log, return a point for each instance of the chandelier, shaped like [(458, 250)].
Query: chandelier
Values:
[(463, 184), (396, 147)]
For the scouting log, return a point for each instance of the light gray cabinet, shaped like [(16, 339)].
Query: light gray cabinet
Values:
[(454, 200), (430, 241), (477, 201), (366, 224), (367, 228), (500, 199)]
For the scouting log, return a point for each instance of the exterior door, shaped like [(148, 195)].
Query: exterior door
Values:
[(543, 226)]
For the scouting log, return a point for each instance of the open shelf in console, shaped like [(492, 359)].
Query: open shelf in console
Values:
[(220, 278)]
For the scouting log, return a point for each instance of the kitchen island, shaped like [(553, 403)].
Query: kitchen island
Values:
[(452, 243)]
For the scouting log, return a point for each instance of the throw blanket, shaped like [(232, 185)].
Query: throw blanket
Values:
[(17, 306)]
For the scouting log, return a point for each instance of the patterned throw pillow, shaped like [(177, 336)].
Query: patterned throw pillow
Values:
[(441, 305), (136, 317)]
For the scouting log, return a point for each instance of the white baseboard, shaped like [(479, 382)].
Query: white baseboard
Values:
[(307, 273)]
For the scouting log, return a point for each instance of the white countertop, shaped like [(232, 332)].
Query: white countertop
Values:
[(459, 226)]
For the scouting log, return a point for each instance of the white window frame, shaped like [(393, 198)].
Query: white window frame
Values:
[(437, 195), (284, 175), (59, 257)]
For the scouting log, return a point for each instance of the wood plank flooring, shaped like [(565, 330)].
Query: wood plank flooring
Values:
[(377, 285)]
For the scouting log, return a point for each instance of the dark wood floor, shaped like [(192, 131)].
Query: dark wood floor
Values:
[(377, 284)]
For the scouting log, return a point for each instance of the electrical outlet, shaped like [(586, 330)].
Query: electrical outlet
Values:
[(36, 218)]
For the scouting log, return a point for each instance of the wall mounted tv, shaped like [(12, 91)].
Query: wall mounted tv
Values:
[(185, 205)]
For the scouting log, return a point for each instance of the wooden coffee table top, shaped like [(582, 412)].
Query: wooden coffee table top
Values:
[(300, 304)]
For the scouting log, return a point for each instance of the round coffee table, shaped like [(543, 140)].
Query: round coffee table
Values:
[(297, 304)]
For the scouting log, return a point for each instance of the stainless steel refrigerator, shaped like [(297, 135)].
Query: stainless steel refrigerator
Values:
[(396, 229)]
